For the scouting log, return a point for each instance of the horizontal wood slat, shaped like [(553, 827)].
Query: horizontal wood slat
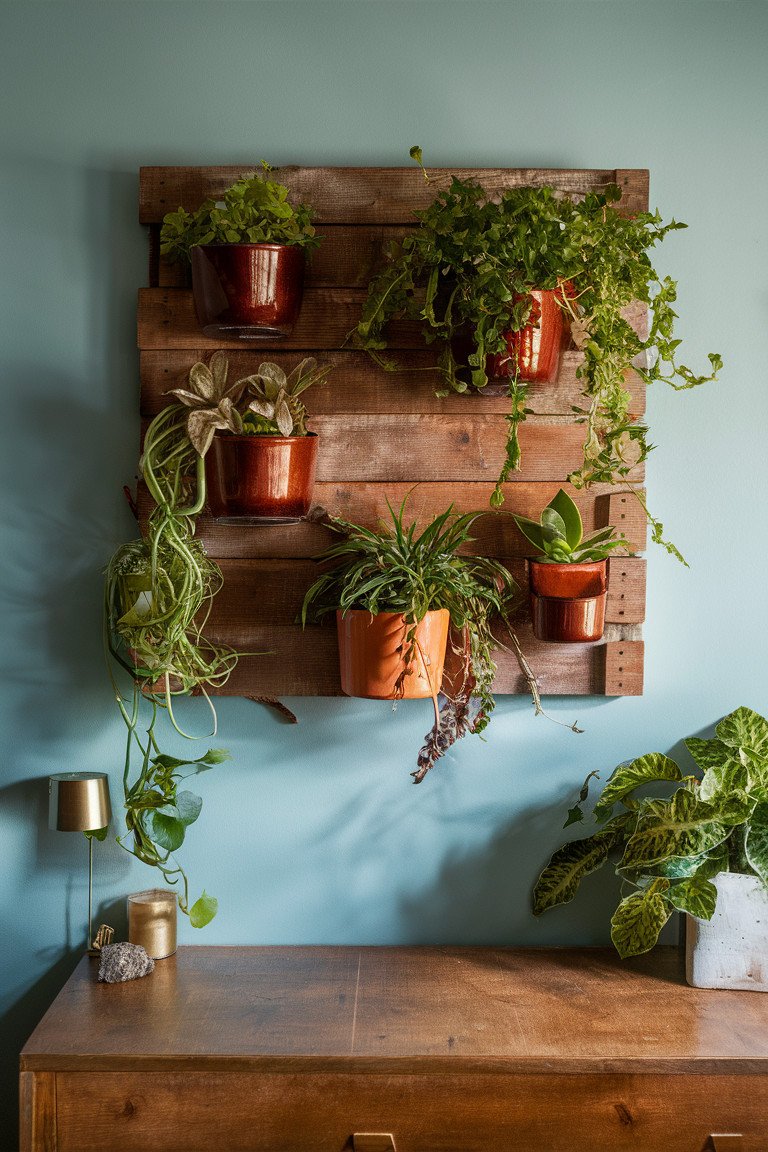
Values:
[(372, 195), (259, 593), (356, 384), (296, 663), (328, 316), (494, 534)]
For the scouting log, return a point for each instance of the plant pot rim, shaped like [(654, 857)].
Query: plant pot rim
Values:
[(575, 567), (385, 612), (268, 436), (271, 244)]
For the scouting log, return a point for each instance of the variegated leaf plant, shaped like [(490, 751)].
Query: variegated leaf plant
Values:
[(669, 849)]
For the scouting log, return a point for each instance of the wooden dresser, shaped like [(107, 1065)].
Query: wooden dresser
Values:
[(418, 1049)]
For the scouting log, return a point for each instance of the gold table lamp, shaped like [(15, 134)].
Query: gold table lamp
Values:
[(79, 802)]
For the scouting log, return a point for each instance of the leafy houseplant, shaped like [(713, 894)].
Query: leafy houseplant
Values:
[(247, 256), (673, 850), (262, 467), (474, 265), (388, 582), (158, 592), (568, 581)]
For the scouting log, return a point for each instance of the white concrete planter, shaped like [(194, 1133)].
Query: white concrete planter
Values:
[(731, 949)]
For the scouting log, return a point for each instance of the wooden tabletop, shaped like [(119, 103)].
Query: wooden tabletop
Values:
[(410, 1009)]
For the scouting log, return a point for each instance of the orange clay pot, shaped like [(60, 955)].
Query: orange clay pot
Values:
[(568, 601), (262, 479), (533, 353), (371, 654)]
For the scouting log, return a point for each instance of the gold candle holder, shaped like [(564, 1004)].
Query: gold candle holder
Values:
[(152, 921)]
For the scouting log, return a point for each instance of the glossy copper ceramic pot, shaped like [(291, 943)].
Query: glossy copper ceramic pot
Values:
[(533, 353), (568, 601), (247, 291), (371, 654), (261, 478)]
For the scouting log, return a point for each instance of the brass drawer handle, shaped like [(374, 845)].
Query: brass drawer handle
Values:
[(373, 1142)]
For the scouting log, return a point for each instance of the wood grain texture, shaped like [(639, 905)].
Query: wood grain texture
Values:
[(623, 670), (493, 534), (356, 384), (372, 195), (37, 1112), (289, 1112), (167, 320)]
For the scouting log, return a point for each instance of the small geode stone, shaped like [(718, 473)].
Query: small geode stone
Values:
[(124, 962)]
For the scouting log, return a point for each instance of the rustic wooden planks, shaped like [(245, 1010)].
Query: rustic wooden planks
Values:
[(384, 435)]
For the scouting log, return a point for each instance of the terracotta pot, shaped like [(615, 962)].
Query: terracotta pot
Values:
[(568, 601), (371, 654), (533, 353), (261, 478), (247, 291)]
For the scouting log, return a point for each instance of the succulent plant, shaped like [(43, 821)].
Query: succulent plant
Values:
[(559, 535), (266, 403)]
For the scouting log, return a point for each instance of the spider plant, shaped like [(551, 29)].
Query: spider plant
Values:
[(400, 569)]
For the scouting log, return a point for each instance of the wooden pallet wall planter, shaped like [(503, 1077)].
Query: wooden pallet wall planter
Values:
[(382, 434)]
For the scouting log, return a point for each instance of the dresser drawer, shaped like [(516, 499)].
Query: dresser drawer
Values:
[(429, 1112)]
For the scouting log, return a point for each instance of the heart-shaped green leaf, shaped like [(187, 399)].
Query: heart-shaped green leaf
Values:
[(203, 910)]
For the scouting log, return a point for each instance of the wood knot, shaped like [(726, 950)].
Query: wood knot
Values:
[(463, 438), (128, 1109), (624, 1114)]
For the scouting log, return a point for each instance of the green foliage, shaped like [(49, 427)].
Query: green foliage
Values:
[(469, 269), (401, 569), (669, 849), (264, 404), (559, 535), (255, 210), (158, 593)]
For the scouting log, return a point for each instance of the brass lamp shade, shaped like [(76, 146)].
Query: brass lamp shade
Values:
[(78, 801)]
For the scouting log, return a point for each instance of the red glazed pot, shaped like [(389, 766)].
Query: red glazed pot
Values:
[(371, 654), (533, 353), (247, 291), (568, 601), (261, 478), (568, 581)]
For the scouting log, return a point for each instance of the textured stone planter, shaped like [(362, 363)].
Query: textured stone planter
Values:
[(731, 949)]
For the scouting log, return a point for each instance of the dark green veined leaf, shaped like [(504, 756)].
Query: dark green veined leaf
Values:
[(559, 882), (203, 910), (167, 831), (745, 729), (627, 777), (682, 826), (756, 842), (733, 807), (724, 771), (696, 896), (639, 918)]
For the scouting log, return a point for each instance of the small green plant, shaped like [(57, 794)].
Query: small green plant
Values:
[(264, 404), (559, 535), (667, 850), (255, 210), (400, 569), (469, 268)]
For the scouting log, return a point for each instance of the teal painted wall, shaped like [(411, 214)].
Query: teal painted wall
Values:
[(314, 833)]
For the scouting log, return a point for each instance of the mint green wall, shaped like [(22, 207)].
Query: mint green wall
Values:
[(314, 833)]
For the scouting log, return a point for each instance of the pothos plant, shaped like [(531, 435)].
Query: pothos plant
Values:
[(668, 849), (398, 568), (254, 210), (469, 268)]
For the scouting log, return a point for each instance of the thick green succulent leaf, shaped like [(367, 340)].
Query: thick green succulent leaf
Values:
[(552, 526), (696, 896), (627, 777), (571, 517), (639, 918), (745, 729), (559, 882), (167, 831), (682, 826), (532, 532), (756, 842), (203, 910)]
